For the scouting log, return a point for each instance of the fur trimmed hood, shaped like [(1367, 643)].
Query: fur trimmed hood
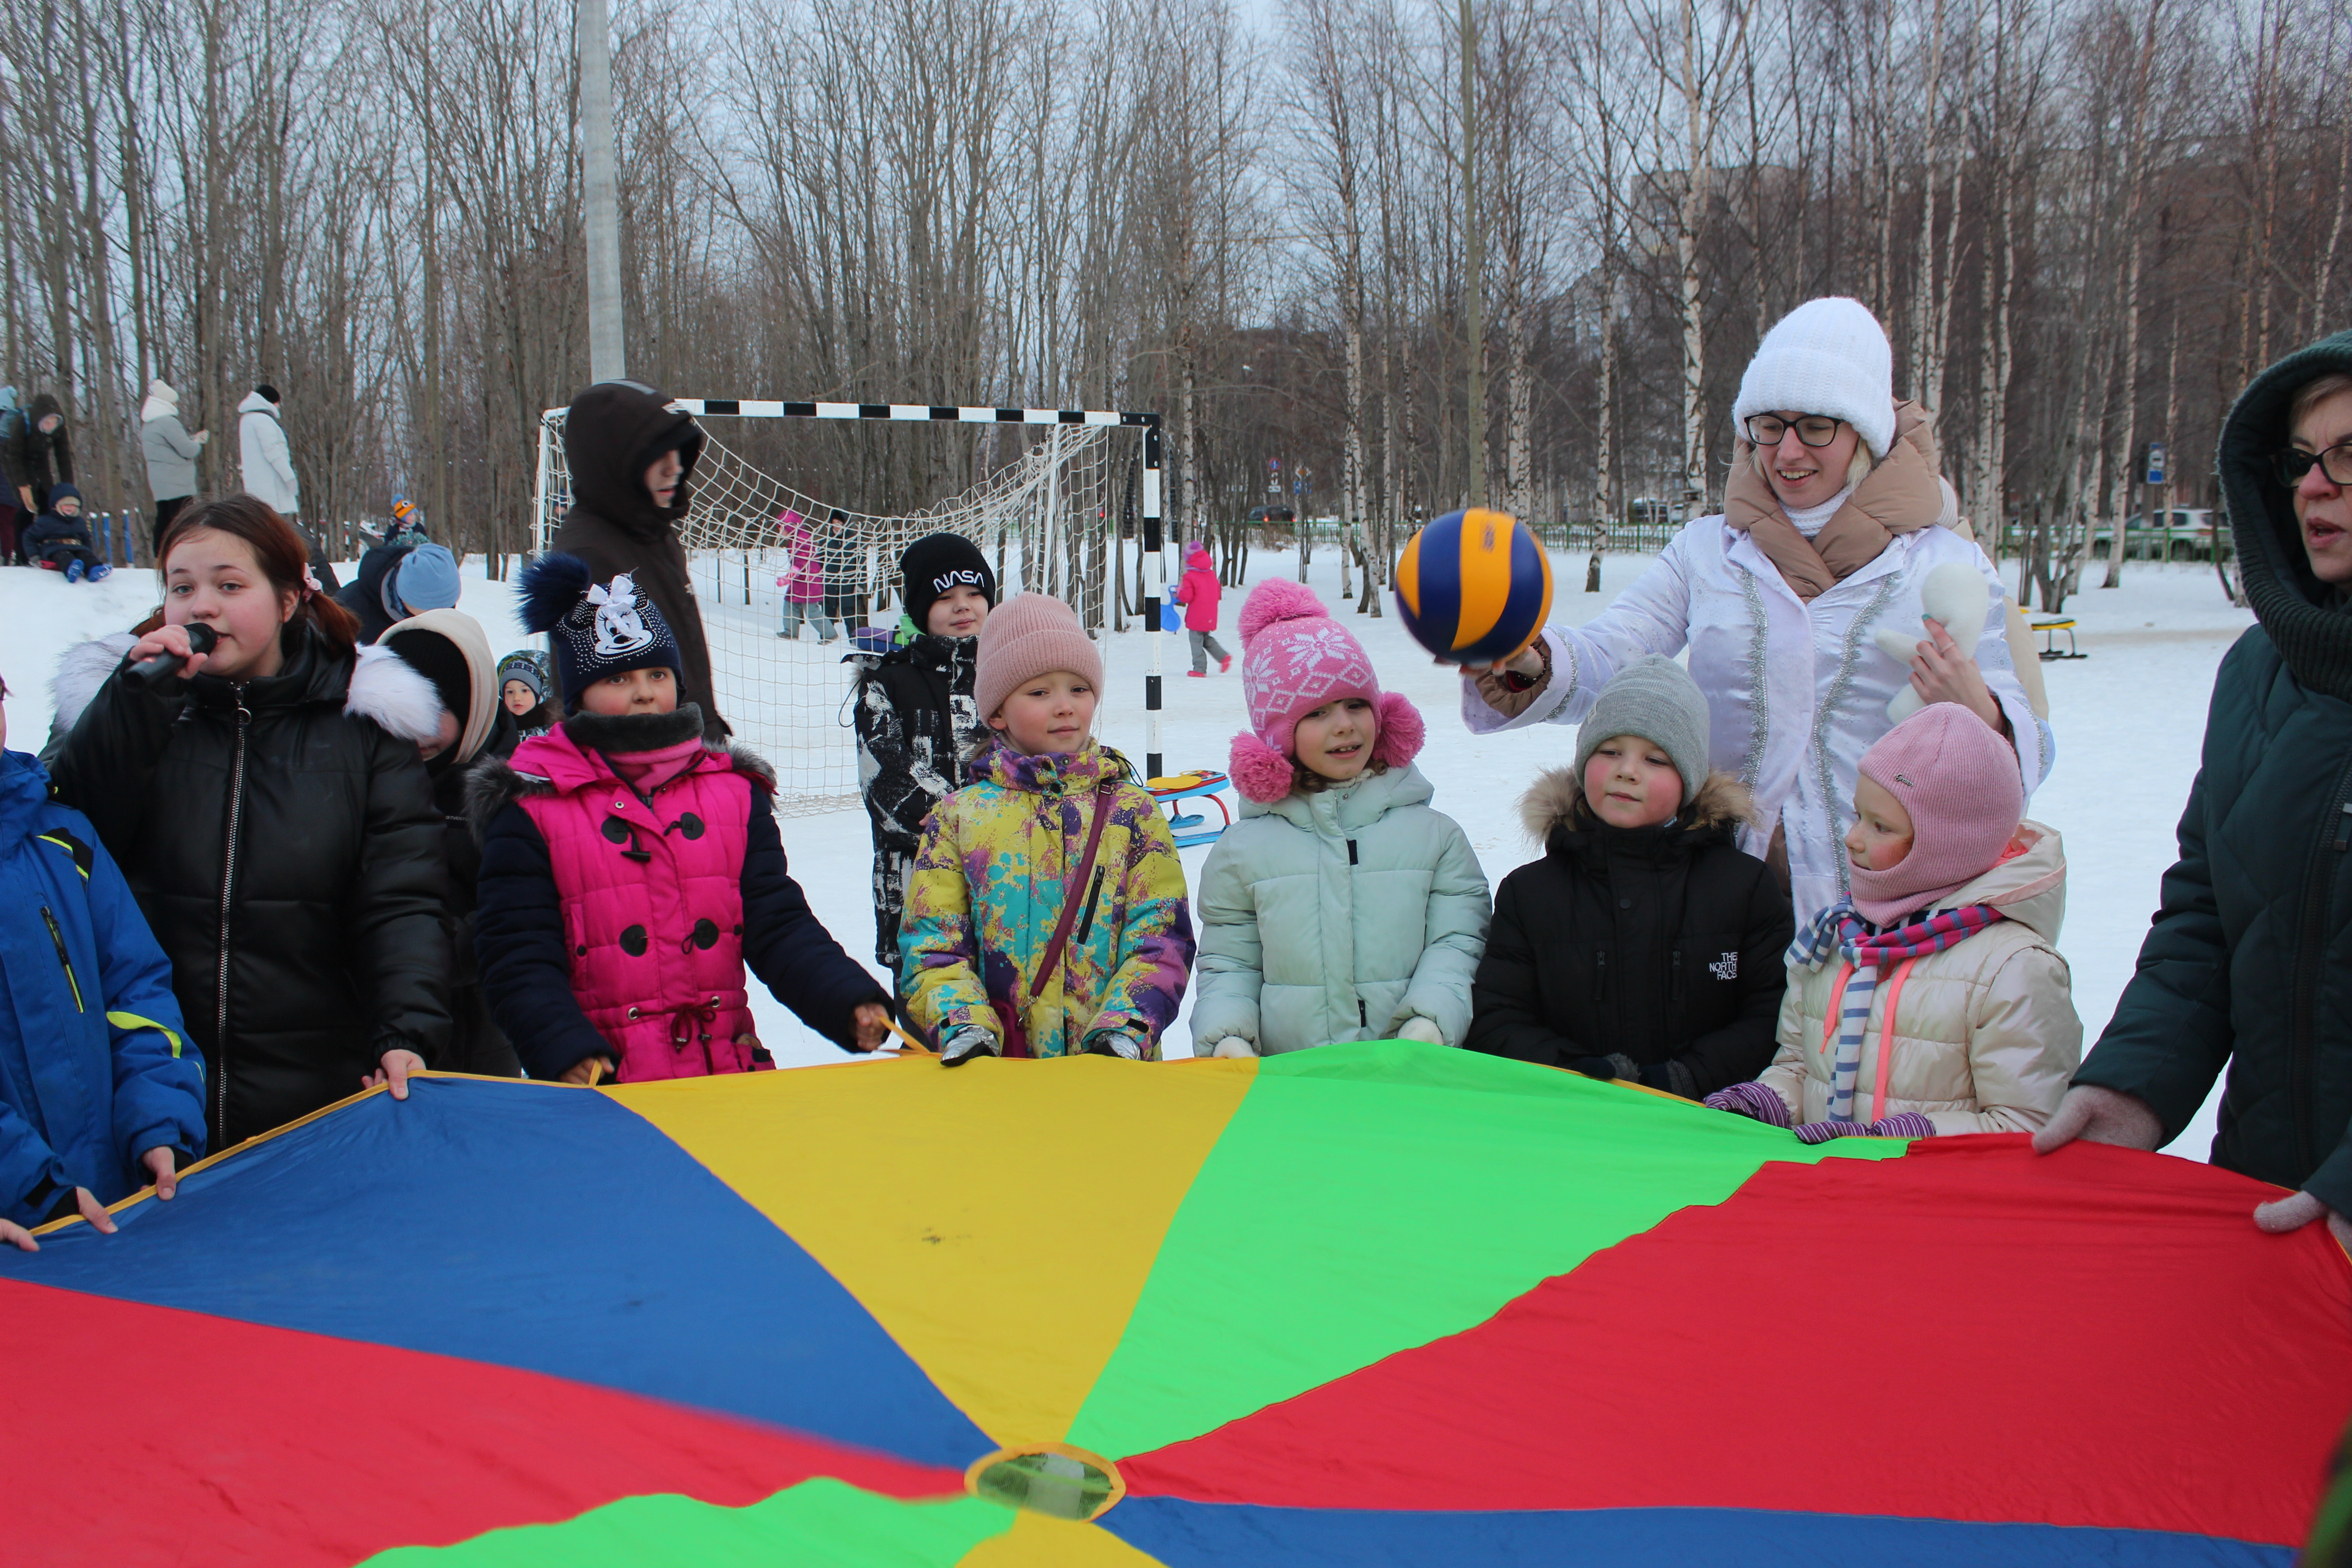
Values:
[(1722, 804), (383, 688), (82, 669)]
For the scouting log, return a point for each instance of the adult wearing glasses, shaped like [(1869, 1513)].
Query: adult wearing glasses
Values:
[(1828, 533), (2247, 967)]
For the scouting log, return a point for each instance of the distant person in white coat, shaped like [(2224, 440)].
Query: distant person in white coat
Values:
[(269, 470)]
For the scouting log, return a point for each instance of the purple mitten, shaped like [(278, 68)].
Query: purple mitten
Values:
[(1901, 1124), (1822, 1131), (1752, 1100)]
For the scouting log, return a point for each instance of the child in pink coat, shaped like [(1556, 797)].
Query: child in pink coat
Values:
[(802, 581), (1199, 592), (629, 871)]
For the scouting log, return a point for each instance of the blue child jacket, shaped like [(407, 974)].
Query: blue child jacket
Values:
[(95, 1067)]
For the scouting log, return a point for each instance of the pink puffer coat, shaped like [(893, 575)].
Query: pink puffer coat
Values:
[(653, 905), (804, 581), (1198, 591)]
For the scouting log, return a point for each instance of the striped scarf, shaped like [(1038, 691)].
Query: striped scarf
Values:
[(1840, 930)]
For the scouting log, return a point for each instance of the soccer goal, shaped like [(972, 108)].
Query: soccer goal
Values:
[(1070, 507)]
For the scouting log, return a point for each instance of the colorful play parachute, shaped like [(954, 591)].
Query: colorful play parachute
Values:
[(1368, 1304)]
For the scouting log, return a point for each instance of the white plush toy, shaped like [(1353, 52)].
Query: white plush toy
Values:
[(1953, 596)]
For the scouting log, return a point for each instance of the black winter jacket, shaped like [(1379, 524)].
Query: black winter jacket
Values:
[(915, 716), (1663, 948), (281, 839), (30, 456), (55, 531), (477, 1044), (614, 431), (2248, 964)]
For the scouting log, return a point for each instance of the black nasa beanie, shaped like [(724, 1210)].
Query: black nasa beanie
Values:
[(936, 563)]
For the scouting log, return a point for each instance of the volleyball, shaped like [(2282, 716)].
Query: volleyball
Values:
[(1474, 586)]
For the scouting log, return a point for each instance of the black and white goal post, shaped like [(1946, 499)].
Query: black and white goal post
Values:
[(1052, 517)]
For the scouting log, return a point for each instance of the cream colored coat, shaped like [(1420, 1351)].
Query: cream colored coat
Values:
[(1985, 1038)]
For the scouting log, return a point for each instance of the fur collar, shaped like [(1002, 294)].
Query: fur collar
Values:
[(493, 784), (382, 689), (1722, 802), (81, 670), (621, 734), (387, 689)]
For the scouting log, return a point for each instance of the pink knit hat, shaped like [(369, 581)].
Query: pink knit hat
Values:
[(1294, 658), (1959, 782), (1026, 637)]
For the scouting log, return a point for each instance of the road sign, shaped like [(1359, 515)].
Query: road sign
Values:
[(2154, 463)]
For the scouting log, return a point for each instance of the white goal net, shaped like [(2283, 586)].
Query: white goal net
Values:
[(1059, 511)]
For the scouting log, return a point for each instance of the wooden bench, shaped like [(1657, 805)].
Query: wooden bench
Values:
[(2050, 630)]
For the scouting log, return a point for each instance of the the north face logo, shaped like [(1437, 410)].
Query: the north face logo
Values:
[(1725, 968)]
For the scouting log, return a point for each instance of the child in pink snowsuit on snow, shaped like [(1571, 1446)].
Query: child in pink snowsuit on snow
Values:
[(1199, 592), (629, 871)]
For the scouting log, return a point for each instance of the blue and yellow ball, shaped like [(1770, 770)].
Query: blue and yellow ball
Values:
[(1474, 586)]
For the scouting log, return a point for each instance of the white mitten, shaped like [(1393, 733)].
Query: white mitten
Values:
[(1420, 1029), (1953, 596), (1234, 1045)]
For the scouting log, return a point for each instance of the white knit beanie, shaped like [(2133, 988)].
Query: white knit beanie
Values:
[(1826, 356)]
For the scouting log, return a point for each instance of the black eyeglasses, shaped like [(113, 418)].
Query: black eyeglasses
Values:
[(1813, 430), (2336, 462)]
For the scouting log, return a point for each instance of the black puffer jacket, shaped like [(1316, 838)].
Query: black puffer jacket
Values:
[(282, 841), (37, 457), (915, 715), (2248, 966), (1665, 948), (613, 433)]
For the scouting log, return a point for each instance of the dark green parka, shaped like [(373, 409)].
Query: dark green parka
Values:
[(2248, 966)]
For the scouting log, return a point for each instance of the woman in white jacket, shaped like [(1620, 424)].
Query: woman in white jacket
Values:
[(1828, 534), (268, 466)]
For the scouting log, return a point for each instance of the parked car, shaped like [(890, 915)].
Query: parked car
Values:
[(2184, 533), (1272, 514)]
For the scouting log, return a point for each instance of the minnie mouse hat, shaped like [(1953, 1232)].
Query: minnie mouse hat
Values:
[(596, 629)]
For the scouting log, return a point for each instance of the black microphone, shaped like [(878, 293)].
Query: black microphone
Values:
[(163, 666)]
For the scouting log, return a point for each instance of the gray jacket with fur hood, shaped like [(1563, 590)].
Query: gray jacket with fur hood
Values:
[(1342, 915), (281, 839)]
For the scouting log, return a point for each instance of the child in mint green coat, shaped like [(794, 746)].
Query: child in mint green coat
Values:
[(1341, 906)]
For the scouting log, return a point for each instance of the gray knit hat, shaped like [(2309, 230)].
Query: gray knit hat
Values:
[(1656, 699)]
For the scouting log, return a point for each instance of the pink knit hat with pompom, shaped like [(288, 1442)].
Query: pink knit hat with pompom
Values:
[(1959, 780), (1294, 658)]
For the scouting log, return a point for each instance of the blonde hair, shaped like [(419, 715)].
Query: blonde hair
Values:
[(2313, 392)]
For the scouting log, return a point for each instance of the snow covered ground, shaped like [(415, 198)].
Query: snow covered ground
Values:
[(2128, 719)]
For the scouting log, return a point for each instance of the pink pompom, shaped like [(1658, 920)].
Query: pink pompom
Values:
[(1277, 600), (1258, 771), (1402, 731)]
